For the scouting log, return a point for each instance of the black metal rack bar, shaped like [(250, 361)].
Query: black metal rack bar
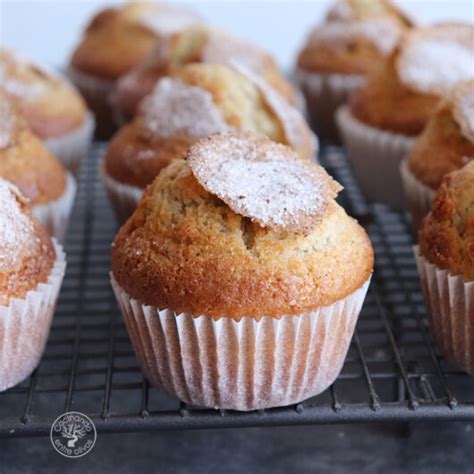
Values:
[(393, 372)]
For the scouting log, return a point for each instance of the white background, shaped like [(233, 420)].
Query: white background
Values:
[(47, 30)]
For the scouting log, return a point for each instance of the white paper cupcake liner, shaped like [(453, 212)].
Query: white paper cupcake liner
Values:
[(324, 94), (241, 365), (55, 215), (375, 156), (418, 196), (124, 198), (24, 326), (96, 92), (72, 147), (450, 302)]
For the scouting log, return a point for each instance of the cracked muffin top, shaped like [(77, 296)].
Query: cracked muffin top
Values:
[(117, 39), (447, 233), (403, 93), (355, 38), (24, 160), (241, 227), (26, 250), (447, 142), (49, 103), (201, 99), (198, 44)]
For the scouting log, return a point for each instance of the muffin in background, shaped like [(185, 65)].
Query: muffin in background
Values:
[(31, 271), (200, 99), (339, 53), (116, 40), (53, 108), (387, 114), (241, 254), (30, 166), (445, 145), (198, 44), (445, 259)]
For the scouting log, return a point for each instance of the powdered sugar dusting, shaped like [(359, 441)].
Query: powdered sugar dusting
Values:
[(296, 130), (434, 59), (263, 180), (16, 229), (223, 48), (166, 20), (7, 124), (383, 33), (463, 108), (175, 107)]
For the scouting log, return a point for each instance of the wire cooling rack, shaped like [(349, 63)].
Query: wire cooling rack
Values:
[(393, 371)]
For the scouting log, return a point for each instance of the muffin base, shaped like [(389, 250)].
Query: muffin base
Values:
[(55, 215), (324, 94), (418, 196), (24, 326), (241, 365), (72, 147), (450, 302), (96, 93), (124, 198), (376, 156)]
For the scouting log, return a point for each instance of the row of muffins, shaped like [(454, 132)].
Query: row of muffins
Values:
[(156, 266)]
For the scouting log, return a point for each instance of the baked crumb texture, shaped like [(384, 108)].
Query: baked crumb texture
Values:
[(210, 236)]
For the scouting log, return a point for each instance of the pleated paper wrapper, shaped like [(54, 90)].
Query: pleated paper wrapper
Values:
[(123, 197), (324, 94), (418, 196), (375, 156), (55, 215), (241, 365), (24, 326), (450, 301), (96, 92), (72, 147)]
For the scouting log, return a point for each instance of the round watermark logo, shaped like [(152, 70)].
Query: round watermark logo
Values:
[(73, 434)]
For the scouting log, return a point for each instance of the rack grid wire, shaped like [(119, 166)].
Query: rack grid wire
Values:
[(393, 371)]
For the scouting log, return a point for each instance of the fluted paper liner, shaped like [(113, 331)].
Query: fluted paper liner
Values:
[(241, 365), (72, 147), (418, 196), (123, 197), (55, 215), (24, 326), (375, 156), (324, 94), (450, 301), (96, 92)]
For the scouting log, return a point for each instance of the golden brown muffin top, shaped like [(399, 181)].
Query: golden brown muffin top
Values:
[(447, 142), (447, 233), (201, 99), (354, 39), (198, 44), (49, 103), (186, 249), (402, 94), (26, 251), (117, 39), (25, 161)]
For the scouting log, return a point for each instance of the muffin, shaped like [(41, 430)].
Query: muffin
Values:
[(115, 41), (446, 144), (445, 261), (31, 271), (54, 110), (239, 277), (41, 178), (387, 114), (200, 99), (198, 44), (352, 42)]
